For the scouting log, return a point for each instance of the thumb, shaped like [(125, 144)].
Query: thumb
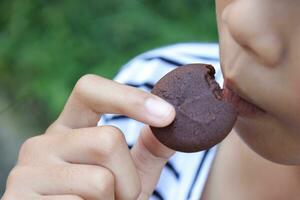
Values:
[(150, 156)]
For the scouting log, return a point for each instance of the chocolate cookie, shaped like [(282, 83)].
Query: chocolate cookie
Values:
[(202, 119)]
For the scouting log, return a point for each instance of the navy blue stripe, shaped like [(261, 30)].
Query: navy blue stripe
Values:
[(108, 118), (147, 85), (173, 170), (157, 195), (166, 60), (116, 117), (197, 173), (215, 59)]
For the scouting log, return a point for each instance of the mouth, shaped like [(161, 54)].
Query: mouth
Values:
[(245, 107)]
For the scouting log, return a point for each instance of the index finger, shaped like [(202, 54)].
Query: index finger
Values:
[(94, 95)]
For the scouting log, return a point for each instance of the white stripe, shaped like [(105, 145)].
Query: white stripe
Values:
[(200, 183)]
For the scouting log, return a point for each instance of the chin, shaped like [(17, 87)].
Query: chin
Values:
[(269, 140)]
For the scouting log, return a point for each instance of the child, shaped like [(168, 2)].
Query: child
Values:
[(259, 45)]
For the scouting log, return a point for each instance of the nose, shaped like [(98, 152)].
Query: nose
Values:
[(252, 26)]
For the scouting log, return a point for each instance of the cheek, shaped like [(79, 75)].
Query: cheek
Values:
[(293, 71), (289, 101), (297, 98), (296, 88), (270, 139)]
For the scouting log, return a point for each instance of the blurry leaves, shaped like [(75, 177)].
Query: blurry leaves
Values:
[(45, 46)]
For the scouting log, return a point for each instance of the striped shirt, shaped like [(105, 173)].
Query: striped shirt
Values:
[(185, 174)]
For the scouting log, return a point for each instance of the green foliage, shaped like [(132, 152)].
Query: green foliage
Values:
[(45, 46)]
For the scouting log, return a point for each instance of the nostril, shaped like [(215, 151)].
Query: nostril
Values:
[(251, 27)]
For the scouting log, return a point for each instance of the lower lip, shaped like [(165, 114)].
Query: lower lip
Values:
[(244, 108)]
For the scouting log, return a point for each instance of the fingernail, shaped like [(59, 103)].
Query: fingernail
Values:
[(158, 108)]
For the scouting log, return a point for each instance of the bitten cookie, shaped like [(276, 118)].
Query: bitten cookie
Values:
[(203, 118)]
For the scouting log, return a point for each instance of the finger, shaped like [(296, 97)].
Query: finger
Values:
[(150, 156), (94, 95), (60, 197), (88, 182), (103, 146)]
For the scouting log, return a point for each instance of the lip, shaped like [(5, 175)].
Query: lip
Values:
[(244, 106)]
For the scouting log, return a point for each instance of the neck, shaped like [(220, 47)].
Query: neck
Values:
[(239, 173)]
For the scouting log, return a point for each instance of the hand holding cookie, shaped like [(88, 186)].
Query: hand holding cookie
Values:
[(74, 159)]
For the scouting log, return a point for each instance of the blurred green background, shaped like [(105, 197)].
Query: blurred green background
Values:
[(45, 46)]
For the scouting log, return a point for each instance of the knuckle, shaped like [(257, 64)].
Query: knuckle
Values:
[(83, 83), (9, 195), (102, 142), (55, 127), (29, 147), (112, 138), (14, 176), (103, 181)]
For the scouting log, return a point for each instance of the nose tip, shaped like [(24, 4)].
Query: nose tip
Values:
[(252, 28)]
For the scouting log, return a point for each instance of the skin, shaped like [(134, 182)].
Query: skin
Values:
[(259, 44), (75, 160), (260, 41)]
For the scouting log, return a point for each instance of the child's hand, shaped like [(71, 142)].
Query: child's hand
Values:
[(75, 160)]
